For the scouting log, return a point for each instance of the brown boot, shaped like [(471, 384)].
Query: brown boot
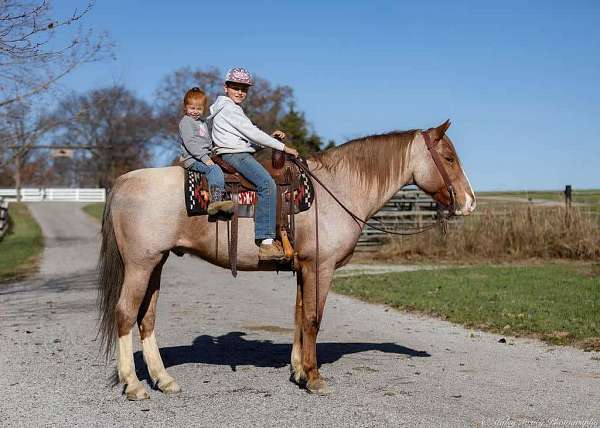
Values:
[(272, 251), (216, 206)]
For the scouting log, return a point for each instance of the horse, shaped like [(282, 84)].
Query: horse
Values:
[(145, 220)]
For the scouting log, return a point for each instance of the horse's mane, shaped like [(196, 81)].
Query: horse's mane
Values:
[(372, 159)]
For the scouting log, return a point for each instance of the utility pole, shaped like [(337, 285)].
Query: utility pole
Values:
[(18, 175)]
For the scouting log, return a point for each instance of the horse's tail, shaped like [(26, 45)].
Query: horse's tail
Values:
[(110, 280)]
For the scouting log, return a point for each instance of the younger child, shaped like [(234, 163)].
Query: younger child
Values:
[(233, 136), (196, 146)]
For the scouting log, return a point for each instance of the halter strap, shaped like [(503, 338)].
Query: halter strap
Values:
[(440, 166)]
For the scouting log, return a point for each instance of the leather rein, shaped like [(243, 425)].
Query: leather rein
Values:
[(442, 217)]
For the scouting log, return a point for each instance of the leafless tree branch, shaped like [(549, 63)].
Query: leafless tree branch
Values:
[(31, 59)]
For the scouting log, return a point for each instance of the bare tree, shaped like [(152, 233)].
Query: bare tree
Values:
[(116, 126), (31, 58), (31, 61), (22, 127)]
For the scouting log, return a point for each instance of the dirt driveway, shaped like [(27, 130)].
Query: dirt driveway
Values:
[(227, 342)]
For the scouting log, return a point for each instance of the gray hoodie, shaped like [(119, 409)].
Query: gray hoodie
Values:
[(195, 141), (233, 132)]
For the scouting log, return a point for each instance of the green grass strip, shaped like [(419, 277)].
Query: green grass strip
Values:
[(557, 303), (95, 210), (22, 246)]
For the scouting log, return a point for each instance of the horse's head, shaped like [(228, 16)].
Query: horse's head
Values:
[(438, 171)]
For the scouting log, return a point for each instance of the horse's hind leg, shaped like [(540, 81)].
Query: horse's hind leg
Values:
[(296, 368), (146, 319), (135, 284)]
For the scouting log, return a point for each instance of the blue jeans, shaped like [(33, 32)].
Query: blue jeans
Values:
[(265, 222), (214, 175)]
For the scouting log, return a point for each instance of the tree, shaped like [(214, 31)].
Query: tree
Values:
[(22, 128), (294, 125), (117, 127), (31, 59)]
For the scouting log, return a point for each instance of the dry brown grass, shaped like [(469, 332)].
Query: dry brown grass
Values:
[(515, 233)]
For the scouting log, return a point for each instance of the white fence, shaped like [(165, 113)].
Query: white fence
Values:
[(55, 194)]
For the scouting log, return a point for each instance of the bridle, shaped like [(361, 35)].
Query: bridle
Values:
[(441, 169)]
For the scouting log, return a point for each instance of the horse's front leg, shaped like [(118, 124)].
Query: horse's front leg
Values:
[(146, 322), (296, 368), (312, 313)]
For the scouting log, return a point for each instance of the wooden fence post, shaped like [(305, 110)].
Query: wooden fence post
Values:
[(568, 196), (568, 199)]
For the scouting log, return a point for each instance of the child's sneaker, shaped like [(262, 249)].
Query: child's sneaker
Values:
[(217, 203), (272, 251), (216, 206)]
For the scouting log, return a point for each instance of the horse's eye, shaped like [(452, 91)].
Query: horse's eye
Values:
[(450, 159)]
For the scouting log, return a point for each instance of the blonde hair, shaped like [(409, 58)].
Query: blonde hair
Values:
[(195, 94)]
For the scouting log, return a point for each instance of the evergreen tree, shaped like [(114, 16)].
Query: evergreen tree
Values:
[(294, 124)]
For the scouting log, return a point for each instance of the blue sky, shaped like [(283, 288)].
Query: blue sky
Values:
[(520, 80)]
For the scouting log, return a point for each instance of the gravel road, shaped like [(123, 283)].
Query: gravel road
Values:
[(227, 342)]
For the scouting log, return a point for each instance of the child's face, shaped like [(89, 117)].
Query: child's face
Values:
[(194, 109), (236, 91)]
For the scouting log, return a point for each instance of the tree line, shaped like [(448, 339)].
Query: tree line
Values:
[(106, 131)]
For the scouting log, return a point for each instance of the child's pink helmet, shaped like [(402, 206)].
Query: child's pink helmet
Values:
[(239, 75)]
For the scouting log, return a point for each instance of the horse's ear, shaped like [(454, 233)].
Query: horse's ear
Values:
[(438, 132)]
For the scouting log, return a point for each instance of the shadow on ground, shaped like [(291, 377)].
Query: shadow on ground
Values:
[(233, 350), (77, 281)]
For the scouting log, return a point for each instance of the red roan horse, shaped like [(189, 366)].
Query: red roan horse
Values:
[(145, 219)]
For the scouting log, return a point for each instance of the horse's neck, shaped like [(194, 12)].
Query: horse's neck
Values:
[(364, 198), (375, 198)]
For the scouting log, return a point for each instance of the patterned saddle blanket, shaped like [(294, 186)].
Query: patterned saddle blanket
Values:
[(297, 195)]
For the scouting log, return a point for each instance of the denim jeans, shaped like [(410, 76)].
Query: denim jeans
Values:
[(266, 205), (213, 172)]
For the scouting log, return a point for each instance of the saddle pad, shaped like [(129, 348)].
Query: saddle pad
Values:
[(304, 195), (197, 196)]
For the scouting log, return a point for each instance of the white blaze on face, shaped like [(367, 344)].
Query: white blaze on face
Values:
[(470, 203)]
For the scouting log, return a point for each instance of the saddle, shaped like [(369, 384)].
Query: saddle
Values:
[(295, 194)]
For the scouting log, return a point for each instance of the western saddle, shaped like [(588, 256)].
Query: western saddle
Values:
[(294, 194)]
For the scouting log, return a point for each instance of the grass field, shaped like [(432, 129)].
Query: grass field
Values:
[(21, 247), (557, 303), (95, 210), (510, 234)]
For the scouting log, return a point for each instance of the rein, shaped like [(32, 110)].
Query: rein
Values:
[(442, 218)]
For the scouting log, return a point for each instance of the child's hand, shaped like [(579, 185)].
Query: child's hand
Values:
[(278, 135), (209, 162), (291, 151)]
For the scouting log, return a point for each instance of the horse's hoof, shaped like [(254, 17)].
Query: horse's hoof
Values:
[(170, 387), (137, 393), (319, 387), (298, 377)]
